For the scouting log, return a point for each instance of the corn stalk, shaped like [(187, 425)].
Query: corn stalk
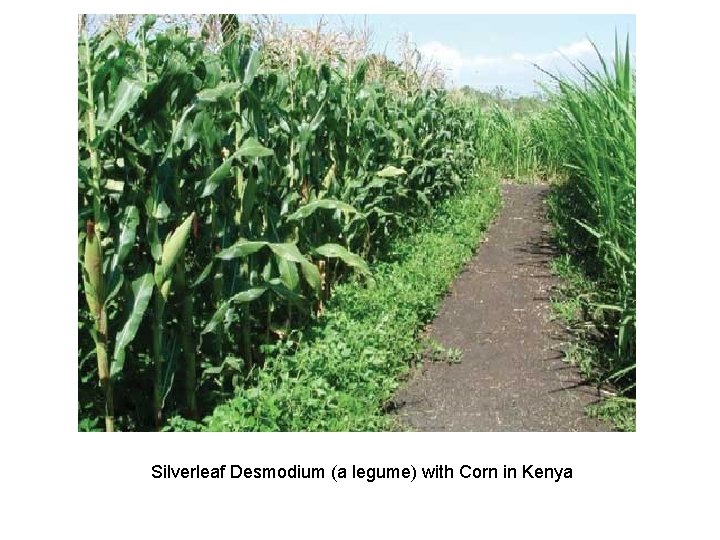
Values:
[(94, 279)]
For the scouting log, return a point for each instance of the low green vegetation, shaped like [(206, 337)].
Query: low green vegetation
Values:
[(590, 352), (340, 373)]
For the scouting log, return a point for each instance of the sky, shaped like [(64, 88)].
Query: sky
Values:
[(487, 51)]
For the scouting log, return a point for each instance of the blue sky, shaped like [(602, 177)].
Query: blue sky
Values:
[(485, 51)]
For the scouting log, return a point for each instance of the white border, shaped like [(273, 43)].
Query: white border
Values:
[(626, 485)]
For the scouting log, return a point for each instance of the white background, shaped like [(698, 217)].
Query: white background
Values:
[(655, 483)]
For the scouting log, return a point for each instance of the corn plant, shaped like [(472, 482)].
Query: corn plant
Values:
[(221, 196)]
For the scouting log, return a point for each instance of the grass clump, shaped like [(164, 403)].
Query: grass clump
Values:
[(593, 211)]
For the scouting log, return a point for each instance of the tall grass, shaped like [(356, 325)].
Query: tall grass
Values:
[(595, 207), (519, 145)]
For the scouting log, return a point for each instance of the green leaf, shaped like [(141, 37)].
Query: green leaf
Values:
[(248, 295), (326, 204), (221, 91), (126, 241), (252, 148), (248, 199), (168, 368), (377, 182), (217, 177), (317, 120), (291, 253), (391, 171), (153, 238), (288, 272), (180, 129), (337, 251), (360, 70), (242, 248), (423, 197), (283, 292), (245, 296), (128, 232), (111, 40), (217, 318), (114, 185), (311, 274), (142, 289), (204, 274), (148, 22), (288, 251), (251, 68), (127, 94), (162, 211)]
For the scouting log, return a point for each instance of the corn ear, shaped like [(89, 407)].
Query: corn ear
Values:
[(329, 177), (172, 253), (95, 295), (173, 249), (93, 269)]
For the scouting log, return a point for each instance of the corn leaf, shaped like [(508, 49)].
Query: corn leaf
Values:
[(288, 272), (223, 91), (391, 171), (242, 248), (325, 204), (142, 289), (248, 295), (251, 68), (291, 253), (127, 94), (217, 177), (337, 251), (252, 148)]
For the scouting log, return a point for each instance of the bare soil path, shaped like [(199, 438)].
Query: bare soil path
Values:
[(512, 376)]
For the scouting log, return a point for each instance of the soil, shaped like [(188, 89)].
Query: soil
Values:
[(512, 376)]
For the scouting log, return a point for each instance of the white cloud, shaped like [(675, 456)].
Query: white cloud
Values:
[(447, 57), (515, 69), (577, 49)]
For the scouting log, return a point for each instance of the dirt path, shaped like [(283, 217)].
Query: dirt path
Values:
[(512, 377)]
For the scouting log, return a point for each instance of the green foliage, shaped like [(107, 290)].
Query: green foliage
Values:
[(621, 411), (594, 210), (591, 351), (247, 192), (434, 351), (238, 224), (518, 137), (338, 375), (594, 216), (523, 146)]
